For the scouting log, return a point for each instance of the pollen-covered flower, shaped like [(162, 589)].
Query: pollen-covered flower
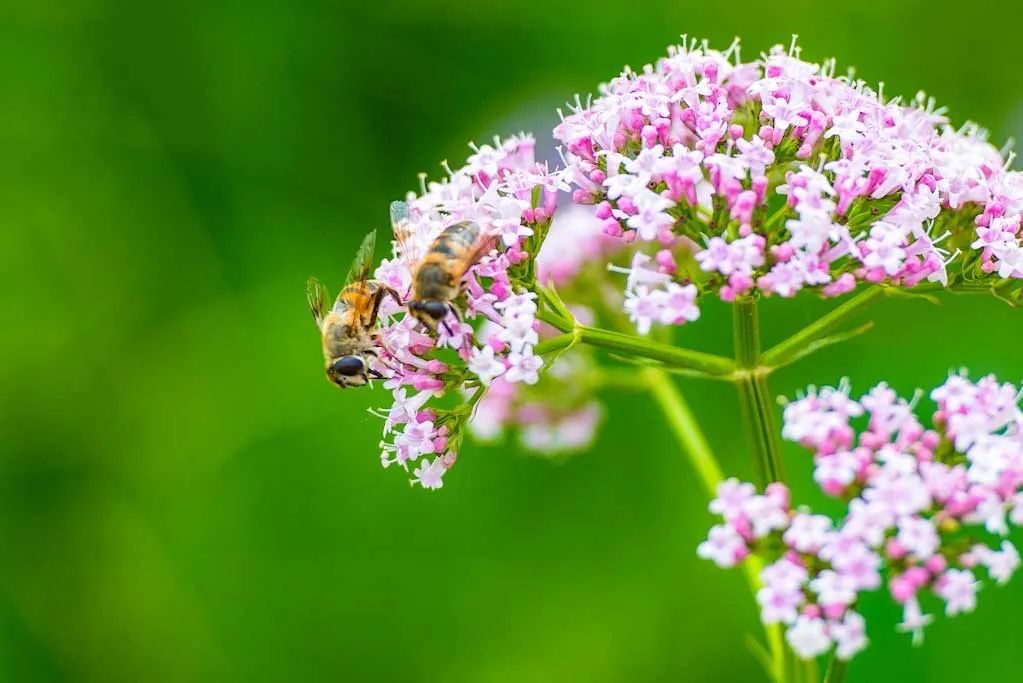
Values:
[(923, 505), (776, 175)]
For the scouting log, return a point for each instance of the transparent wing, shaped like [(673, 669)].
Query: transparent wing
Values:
[(362, 264), (317, 296), (401, 227)]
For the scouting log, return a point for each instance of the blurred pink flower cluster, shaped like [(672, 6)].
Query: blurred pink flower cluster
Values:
[(922, 507)]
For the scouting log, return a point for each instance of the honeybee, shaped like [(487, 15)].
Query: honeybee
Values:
[(437, 280), (347, 328)]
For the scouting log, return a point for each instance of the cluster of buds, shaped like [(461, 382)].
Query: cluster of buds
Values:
[(923, 506), (775, 175)]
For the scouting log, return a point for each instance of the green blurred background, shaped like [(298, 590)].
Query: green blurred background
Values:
[(182, 495)]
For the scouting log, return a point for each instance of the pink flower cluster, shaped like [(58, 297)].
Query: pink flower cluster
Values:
[(920, 504), (775, 175), (543, 425), (560, 415), (495, 189)]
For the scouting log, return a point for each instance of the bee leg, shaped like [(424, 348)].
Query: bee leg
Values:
[(378, 298), (375, 374), (378, 341), (458, 316)]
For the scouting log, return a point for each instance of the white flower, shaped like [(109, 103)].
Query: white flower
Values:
[(723, 546), (416, 440), (808, 533), (779, 604), (850, 635), (644, 307), (914, 621), (766, 515), (958, 587), (1000, 565), (484, 365), (679, 304), (784, 574), (834, 588), (429, 474), (732, 494), (919, 536), (524, 367), (809, 637), (650, 218)]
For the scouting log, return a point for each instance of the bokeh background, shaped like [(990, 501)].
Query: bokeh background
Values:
[(182, 495)]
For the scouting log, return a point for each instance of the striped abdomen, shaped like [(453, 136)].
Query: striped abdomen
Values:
[(355, 303), (451, 254)]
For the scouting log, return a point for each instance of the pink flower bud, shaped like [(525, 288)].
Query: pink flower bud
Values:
[(834, 610), (436, 367), (894, 549), (612, 228), (779, 493), (936, 564), (918, 576), (812, 611), (666, 260), (901, 589)]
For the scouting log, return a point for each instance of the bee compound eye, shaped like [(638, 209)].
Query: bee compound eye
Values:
[(435, 309), (349, 366)]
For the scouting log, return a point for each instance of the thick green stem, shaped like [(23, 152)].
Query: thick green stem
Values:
[(837, 669), (754, 393), (695, 446)]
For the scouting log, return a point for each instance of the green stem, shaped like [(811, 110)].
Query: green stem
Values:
[(754, 393), (562, 341), (837, 669), (672, 356), (632, 346), (827, 324), (686, 429), (695, 446)]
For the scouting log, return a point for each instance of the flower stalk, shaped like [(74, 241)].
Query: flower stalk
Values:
[(837, 669), (695, 446), (631, 346), (754, 394)]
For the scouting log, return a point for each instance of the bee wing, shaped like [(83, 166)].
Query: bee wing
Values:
[(317, 296), (402, 230), (362, 264), (482, 247)]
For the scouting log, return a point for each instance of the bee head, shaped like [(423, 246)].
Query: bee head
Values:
[(348, 371), (429, 311)]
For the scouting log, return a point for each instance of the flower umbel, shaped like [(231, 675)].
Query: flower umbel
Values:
[(775, 175), (923, 506)]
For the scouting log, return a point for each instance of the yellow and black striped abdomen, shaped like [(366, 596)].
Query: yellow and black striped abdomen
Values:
[(355, 302), (443, 266), (458, 243)]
